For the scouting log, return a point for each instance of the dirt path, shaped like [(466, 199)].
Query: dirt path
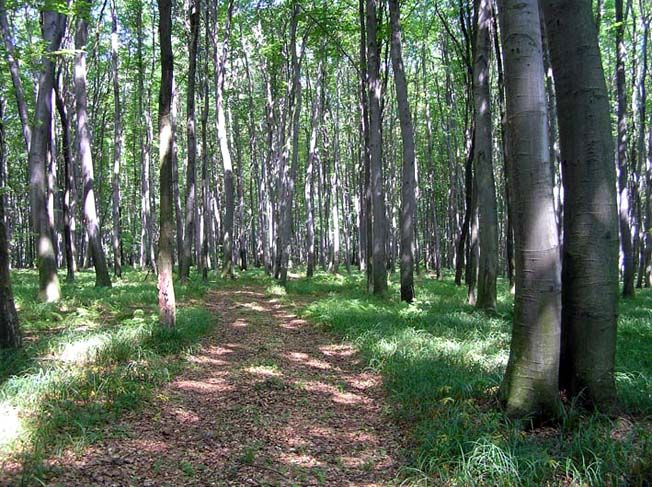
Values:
[(267, 400)]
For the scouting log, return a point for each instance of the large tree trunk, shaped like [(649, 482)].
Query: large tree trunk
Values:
[(530, 386), (374, 87), (9, 328), (621, 155), (102, 278), (53, 26), (408, 186), (590, 252), (191, 189), (166, 297), (117, 144), (483, 161)]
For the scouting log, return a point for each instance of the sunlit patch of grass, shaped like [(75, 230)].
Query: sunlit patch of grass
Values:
[(443, 363), (86, 359)]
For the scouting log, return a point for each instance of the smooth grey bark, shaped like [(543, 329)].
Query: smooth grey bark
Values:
[(191, 187), (14, 70), (309, 192), (10, 336), (641, 93), (621, 155), (408, 181), (590, 251), (166, 296), (287, 172), (53, 26), (483, 163), (116, 238), (374, 88), (220, 53), (69, 194), (102, 278), (530, 385)]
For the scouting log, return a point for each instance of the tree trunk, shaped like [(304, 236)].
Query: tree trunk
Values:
[(9, 327), (102, 278), (408, 186), (590, 252), (53, 27), (483, 162), (374, 87), (530, 386), (69, 195), (621, 155), (117, 144), (166, 297), (191, 189)]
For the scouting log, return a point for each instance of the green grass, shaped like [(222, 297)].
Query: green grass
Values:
[(442, 363), (86, 360)]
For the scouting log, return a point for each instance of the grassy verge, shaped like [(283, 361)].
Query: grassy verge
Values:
[(86, 360), (443, 362)]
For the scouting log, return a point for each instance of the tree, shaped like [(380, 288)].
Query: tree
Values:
[(590, 252), (408, 186), (166, 297), (530, 386), (621, 155), (117, 143), (53, 25), (10, 336), (483, 163), (102, 278), (374, 88)]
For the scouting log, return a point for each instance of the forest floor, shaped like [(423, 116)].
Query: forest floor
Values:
[(317, 383), (267, 399)]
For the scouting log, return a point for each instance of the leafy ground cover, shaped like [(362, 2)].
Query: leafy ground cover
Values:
[(85, 361), (442, 362)]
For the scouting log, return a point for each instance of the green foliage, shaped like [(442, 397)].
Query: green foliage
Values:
[(443, 361), (88, 359)]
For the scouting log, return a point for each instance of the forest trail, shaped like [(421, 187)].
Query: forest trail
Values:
[(267, 400)]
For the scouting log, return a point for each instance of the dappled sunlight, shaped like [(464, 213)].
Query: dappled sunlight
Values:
[(204, 387), (264, 371), (305, 359), (11, 425), (81, 351), (335, 394)]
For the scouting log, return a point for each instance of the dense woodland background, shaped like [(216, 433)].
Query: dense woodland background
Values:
[(456, 138)]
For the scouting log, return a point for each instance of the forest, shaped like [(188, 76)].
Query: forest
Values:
[(311, 242)]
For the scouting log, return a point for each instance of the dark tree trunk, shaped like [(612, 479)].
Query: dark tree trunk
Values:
[(53, 27), (166, 297), (9, 328), (117, 144), (408, 184), (590, 252)]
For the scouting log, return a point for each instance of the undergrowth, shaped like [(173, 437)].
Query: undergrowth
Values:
[(86, 360), (443, 362)]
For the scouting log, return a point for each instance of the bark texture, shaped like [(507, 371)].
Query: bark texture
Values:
[(530, 386)]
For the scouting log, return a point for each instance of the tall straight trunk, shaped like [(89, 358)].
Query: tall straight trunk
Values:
[(641, 93), (287, 172), (468, 211), (205, 219), (144, 143), (10, 336), (408, 185), (69, 195), (176, 194), (53, 27), (621, 156), (530, 386), (102, 278), (483, 162), (191, 190), (590, 251), (166, 297), (374, 87), (14, 70), (222, 137), (117, 143), (310, 171)]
